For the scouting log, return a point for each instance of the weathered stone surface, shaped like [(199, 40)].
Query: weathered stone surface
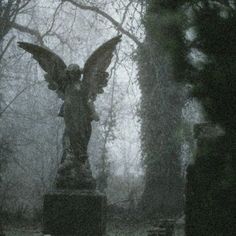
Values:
[(74, 213), (75, 175)]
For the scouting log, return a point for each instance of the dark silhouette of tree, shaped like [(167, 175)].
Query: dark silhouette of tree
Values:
[(210, 190), (161, 104), (210, 206)]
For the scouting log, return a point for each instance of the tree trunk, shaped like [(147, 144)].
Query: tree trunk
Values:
[(161, 108)]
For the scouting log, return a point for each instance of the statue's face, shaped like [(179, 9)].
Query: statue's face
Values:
[(74, 72)]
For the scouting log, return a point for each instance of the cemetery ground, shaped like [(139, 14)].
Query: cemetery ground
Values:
[(118, 225), (113, 229)]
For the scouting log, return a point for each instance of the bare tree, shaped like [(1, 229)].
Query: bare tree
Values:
[(8, 13), (33, 115), (118, 25)]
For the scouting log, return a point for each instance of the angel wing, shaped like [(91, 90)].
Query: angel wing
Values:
[(50, 62), (95, 75)]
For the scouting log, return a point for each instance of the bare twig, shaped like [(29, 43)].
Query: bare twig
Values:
[(7, 46), (125, 13), (107, 16), (23, 29), (53, 21), (16, 96)]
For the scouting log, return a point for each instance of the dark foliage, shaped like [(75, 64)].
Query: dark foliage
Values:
[(210, 190), (210, 198), (215, 83)]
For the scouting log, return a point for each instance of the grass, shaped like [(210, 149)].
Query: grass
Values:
[(22, 233), (113, 229), (126, 230)]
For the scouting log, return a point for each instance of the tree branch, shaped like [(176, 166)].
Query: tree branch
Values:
[(53, 21), (107, 16), (23, 29), (9, 104), (16, 96), (7, 46)]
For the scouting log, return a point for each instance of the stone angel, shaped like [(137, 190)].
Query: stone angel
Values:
[(78, 88)]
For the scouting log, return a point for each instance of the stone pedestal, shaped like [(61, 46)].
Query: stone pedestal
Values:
[(74, 213)]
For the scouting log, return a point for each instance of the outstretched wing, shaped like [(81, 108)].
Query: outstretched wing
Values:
[(95, 75), (50, 63)]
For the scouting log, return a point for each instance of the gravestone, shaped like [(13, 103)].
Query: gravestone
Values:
[(79, 213)]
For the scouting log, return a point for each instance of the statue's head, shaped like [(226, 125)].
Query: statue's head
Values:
[(73, 71)]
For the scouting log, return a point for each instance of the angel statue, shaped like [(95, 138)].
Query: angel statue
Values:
[(78, 109)]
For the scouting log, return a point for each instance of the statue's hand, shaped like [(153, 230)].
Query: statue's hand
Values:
[(93, 114)]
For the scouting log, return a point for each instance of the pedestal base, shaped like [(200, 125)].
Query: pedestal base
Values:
[(74, 213)]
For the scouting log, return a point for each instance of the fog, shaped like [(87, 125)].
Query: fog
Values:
[(166, 115)]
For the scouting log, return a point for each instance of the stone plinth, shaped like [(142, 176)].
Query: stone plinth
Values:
[(74, 213)]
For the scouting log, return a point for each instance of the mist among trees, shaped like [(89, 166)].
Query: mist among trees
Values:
[(163, 149)]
